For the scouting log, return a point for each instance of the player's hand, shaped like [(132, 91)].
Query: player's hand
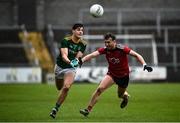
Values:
[(74, 63), (80, 62), (148, 68)]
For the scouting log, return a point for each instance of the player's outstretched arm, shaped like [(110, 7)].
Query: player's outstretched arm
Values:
[(141, 60), (90, 56), (137, 56)]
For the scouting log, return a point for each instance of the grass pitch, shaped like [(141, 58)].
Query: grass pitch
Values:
[(33, 102)]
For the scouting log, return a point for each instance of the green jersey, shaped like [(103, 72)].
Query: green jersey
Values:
[(73, 49)]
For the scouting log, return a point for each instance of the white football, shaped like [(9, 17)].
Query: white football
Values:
[(96, 10)]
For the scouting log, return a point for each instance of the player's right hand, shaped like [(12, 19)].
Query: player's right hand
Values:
[(74, 63)]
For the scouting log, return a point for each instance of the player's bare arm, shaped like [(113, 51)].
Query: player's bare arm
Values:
[(90, 56), (64, 53), (137, 56), (141, 60)]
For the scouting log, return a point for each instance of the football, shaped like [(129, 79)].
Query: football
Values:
[(96, 10)]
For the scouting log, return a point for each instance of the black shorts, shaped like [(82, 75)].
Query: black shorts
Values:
[(121, 82)]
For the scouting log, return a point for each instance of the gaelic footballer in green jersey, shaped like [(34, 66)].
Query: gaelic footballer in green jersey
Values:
[(70, 48)]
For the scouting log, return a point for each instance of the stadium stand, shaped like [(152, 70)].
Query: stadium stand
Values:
[(38, 51), (11, 49)]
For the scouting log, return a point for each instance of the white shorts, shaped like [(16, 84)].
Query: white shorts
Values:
[(59, 72)]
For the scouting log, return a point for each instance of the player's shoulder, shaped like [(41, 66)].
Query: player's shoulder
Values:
[(67, 38), (102, 49), (83, 41), (120, 46)]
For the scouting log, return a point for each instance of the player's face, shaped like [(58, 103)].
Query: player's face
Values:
[(78, 32), (110, 44)]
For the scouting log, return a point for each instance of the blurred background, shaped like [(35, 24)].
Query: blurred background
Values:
[(30, 30)]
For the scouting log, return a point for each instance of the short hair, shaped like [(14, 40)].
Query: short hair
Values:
[(75, 26), (109, 35)]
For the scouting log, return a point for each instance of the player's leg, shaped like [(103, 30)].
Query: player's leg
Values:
[(68, 81), (59, 85), (105, 83), (64, 79), (59, 75), (122, 92)]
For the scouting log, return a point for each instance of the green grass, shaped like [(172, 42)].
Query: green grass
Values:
[(33, 102)]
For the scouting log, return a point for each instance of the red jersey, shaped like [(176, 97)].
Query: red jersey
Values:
[(117, 60)]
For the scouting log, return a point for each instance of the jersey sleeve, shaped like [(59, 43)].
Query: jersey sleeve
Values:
[(126, 49), (64, 44), (101, 50)]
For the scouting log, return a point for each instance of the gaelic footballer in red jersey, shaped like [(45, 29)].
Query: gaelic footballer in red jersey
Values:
[(117, 60), (118, 70)]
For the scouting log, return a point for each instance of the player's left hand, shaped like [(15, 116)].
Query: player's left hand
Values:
[(148, 68), (74, 63)]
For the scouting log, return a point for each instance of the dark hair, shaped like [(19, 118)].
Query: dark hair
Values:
[(75, 26), (109, 35)]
